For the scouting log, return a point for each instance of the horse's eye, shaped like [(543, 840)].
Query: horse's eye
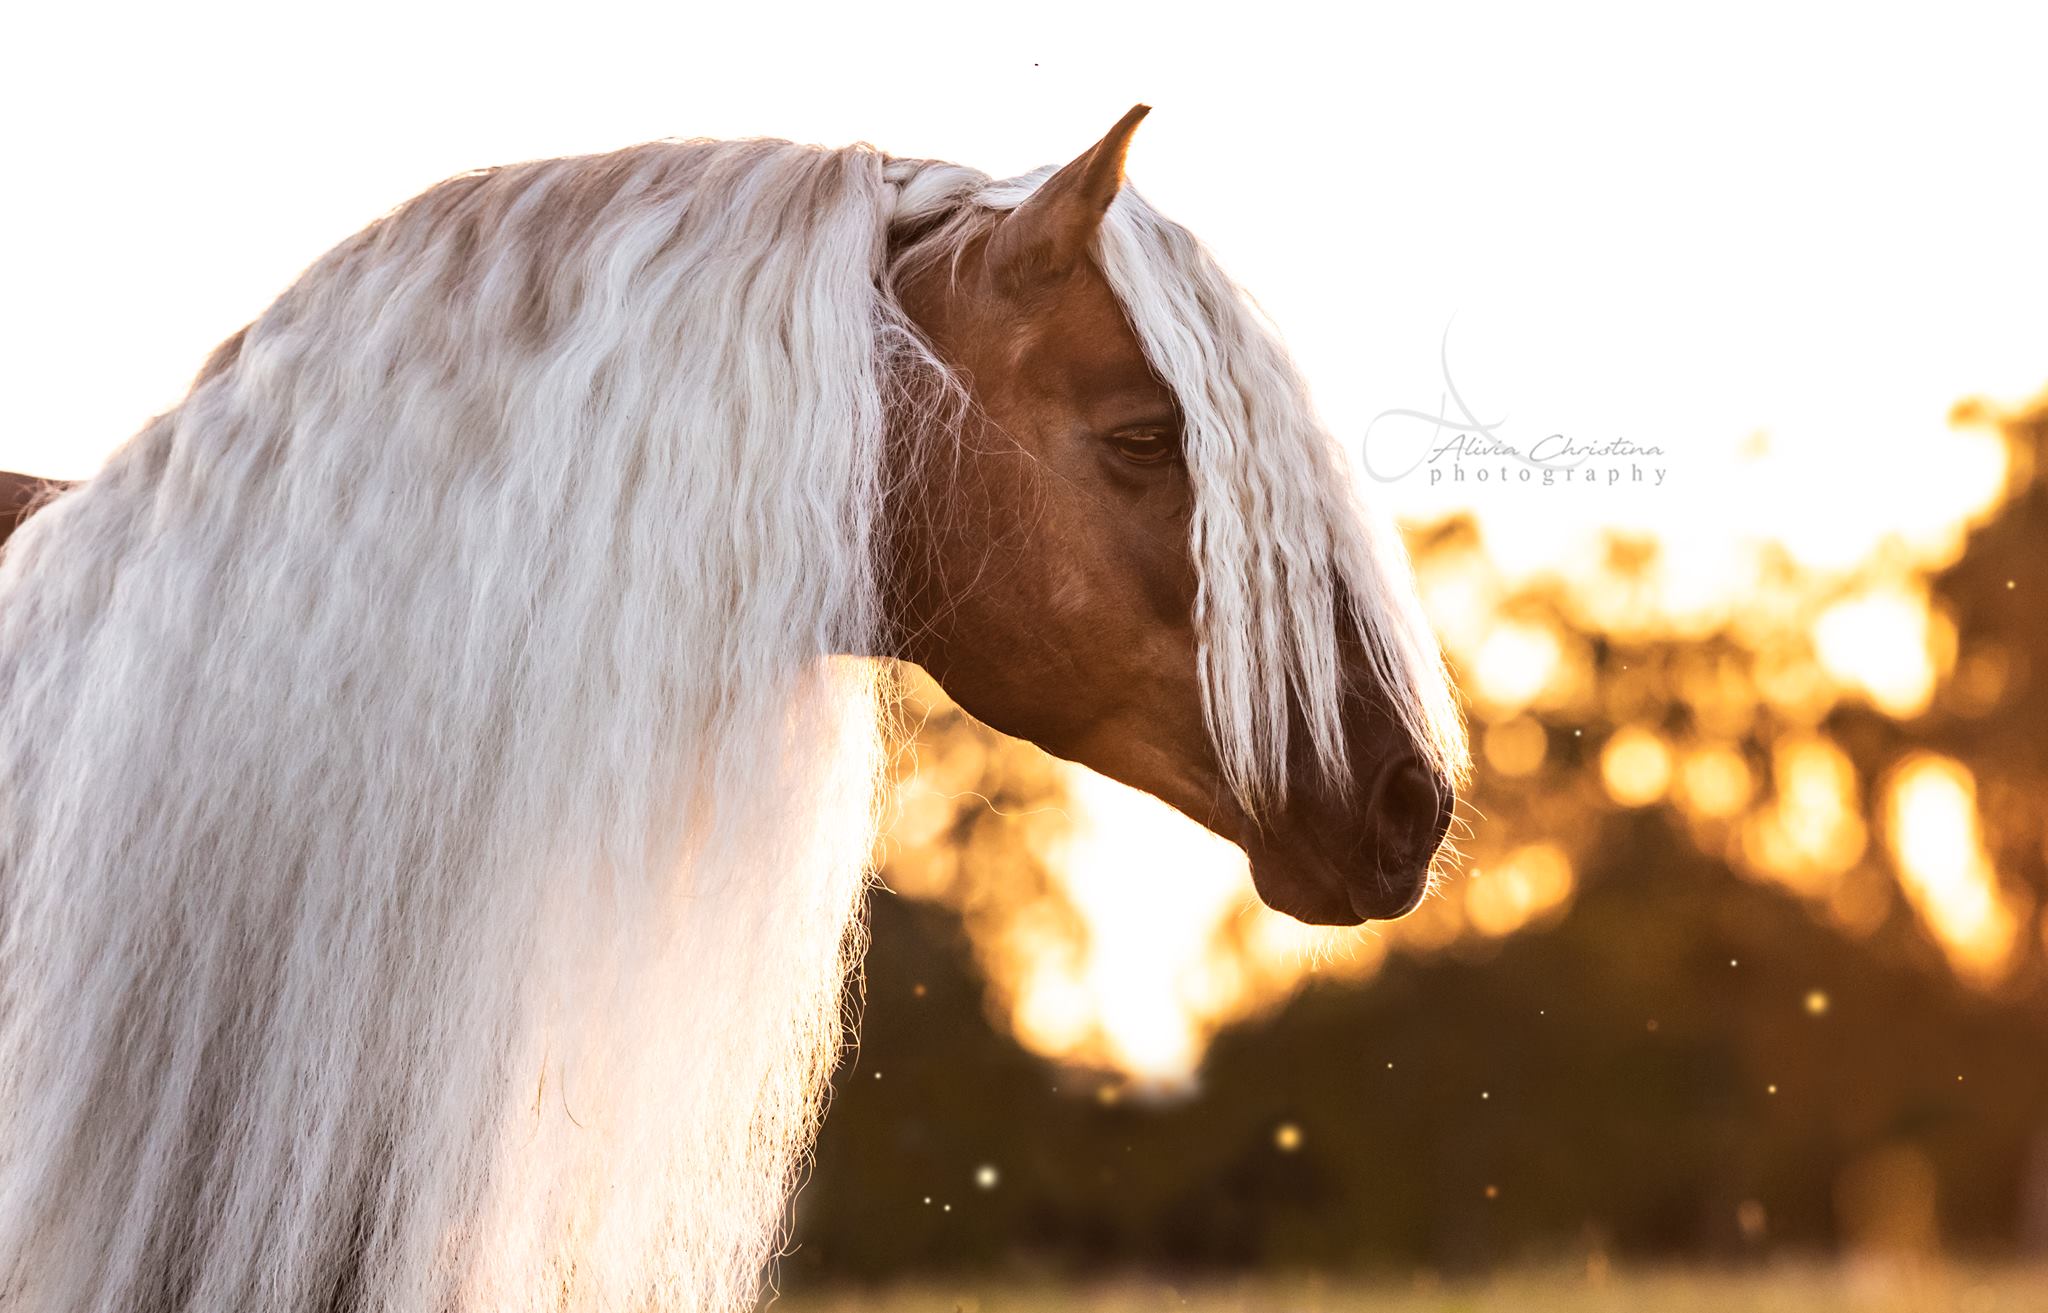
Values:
[(1147, 446)]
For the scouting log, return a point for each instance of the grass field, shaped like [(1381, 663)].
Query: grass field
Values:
[(1785, 1290)]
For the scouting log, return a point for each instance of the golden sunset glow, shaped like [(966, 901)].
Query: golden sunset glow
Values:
[(1636, 765), (1516, 746), (1886, 644), (1812, 830), (1150, 889), (1149, 938), (1515, 663), (1932, 826), (1528, 883), (1714, 782)]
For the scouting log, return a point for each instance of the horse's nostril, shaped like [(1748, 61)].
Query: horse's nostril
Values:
[(1412, 810)]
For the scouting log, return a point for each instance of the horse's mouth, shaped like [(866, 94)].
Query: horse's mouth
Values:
[(1314, 889), (1325, 865)]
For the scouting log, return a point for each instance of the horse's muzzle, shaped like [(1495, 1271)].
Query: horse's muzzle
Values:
[(1410, 813), (1328, 861)]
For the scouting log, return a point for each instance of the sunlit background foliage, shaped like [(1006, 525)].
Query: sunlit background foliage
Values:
[(1743, 954), (1818, 724)]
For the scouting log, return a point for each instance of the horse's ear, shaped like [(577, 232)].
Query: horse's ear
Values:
[(1049, 234)]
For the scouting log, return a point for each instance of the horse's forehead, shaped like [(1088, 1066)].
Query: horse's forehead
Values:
[(1071, 336), (1079, 333)]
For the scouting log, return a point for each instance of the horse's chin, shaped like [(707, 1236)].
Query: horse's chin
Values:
[(1313, 888)]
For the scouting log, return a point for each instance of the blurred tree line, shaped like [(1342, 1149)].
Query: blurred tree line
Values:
[(1711, 1050)]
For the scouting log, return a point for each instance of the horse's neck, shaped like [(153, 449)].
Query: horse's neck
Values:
[(21, 495)]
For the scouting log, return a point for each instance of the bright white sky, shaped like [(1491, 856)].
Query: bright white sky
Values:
[(1673, 229)]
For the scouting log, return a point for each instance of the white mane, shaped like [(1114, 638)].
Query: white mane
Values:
[(432, 827)]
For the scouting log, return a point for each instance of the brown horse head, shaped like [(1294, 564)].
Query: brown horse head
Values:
[(1131, 544)]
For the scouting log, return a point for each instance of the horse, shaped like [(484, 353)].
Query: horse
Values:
[(442, 754)]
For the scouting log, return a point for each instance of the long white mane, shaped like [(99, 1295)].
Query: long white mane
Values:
[(433, 818)]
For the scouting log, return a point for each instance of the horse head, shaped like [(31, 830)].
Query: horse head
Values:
[(1129, 543)]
